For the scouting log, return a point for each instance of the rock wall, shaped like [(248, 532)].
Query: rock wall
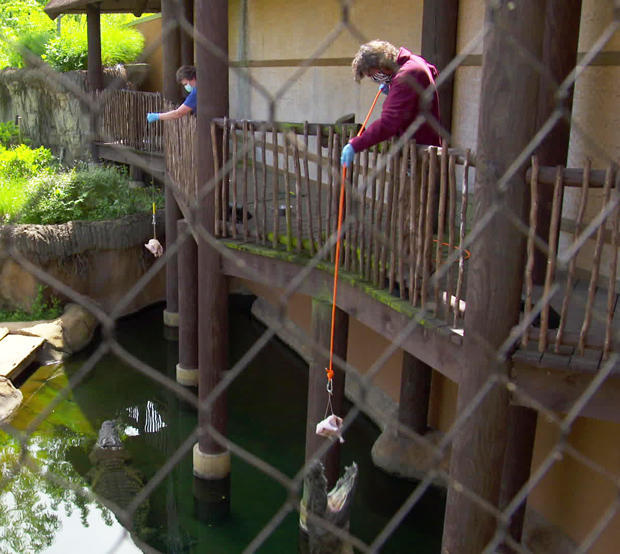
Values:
[(100, 260), (53, 109)]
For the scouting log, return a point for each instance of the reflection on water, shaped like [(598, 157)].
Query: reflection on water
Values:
[(266, 417)]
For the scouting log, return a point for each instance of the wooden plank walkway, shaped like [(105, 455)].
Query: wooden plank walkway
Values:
[(17, 352)]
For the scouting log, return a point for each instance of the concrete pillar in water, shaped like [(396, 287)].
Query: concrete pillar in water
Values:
[(211, 457), (187, 368)]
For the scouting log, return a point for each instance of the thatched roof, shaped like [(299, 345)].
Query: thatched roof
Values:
[(54, 8)]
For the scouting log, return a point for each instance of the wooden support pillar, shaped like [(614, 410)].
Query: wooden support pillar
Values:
[(506, 125), (559, 55), (439, 26), (562, 18), (211, 458), (186, 38), (187, 368), (93, 32), (172, 92), (415, 389), (317, 382), (517, 462)]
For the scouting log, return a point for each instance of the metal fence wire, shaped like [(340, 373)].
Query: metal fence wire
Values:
[(447, 241)]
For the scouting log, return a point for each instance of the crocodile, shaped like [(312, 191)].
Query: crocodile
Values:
[(333, 507)]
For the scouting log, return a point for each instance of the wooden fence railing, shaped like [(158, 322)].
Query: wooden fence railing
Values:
[(406, 205), (585, 302), (122, 119), (407, 214)]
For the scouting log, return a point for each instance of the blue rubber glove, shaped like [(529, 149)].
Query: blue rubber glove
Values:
[(150, 117), (346, 158), (384, 88)]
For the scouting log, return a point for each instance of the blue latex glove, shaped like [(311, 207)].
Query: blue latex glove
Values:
[(384, 88), (346, 158), (150, 117)]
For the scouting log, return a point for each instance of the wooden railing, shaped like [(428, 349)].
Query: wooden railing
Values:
[(406, 205), (122, 119), (585, 302)]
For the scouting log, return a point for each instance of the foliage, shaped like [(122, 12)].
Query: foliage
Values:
[(22, 161), (25, 26), (69, 50), (23, 23), (41, 309), (10, 135), (86, 193)]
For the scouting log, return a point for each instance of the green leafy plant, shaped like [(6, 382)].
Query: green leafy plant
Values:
[(10, 134), (69, 50), (22, 161), (41, 308), (86, 193)]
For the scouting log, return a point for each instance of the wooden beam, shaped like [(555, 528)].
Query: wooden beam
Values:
[(415, 390), (494, 278), (429, 341), (439, 26)]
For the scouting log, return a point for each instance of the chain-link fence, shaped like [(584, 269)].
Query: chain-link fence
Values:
[(493, 268)]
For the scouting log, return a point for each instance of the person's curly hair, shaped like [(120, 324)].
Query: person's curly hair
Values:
[(186, 72), (376, 54)]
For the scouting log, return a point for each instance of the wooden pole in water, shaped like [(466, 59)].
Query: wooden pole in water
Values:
[(211, 458), (506, 125), (172, 93), (317, 382), (187, 368)]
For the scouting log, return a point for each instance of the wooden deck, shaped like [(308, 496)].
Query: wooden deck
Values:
[(17, 352)]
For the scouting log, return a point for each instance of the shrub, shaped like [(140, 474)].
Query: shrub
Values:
[(10, 135), (40, 309), (69, 51), (22, 161), (84, 194)]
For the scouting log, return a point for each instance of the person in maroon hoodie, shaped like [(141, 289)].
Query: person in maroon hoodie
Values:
[(404, 77)]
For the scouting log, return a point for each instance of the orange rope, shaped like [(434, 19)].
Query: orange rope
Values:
[(330, 370)]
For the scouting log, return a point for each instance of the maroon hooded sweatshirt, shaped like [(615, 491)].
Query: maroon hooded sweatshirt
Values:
[(401, 107)]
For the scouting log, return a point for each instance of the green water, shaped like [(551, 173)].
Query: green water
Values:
[(266, 416)]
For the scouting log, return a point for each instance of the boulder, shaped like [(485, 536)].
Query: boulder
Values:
[(10, 399)]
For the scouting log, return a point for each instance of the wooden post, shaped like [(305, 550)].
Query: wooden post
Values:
[(172, 92), (561, 33), (559, 57), (317, 382), (439, 26), (211, 458), (93, 31), (517, 462), (187, 368), (186, 38), (415, 389), (509, 89)]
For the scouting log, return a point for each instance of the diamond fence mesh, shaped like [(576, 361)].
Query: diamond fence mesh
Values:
[(420, 224)]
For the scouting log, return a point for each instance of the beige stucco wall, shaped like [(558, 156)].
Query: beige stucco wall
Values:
[(267, 33), (150, 27)]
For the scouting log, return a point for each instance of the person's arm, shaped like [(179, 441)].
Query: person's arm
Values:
[(181, 111)]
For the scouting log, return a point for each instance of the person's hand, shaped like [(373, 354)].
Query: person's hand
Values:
[(384, 88), (150, 117), (346, 158)]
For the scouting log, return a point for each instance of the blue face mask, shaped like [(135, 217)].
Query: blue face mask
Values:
[(380, 77), (188, 87)]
